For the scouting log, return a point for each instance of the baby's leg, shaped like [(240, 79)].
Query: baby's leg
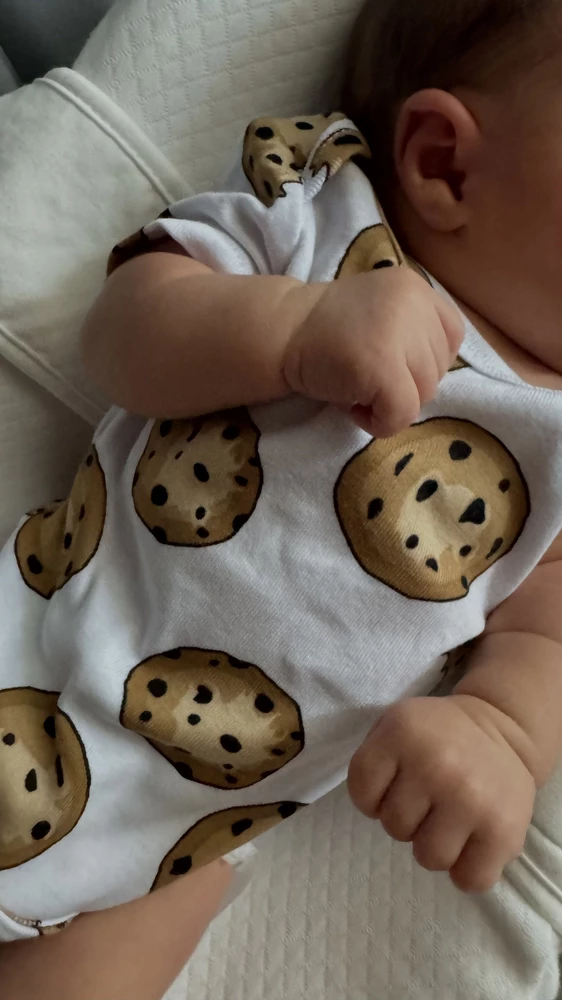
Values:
[(134, 950)]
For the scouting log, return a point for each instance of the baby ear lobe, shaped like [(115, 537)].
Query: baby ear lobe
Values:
[(434, 142)]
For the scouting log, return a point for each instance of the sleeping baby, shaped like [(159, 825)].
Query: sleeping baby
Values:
[(335, 457)]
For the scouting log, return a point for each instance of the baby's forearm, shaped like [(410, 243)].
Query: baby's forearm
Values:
[(516, 668), (519, 676), (133, 950), (168, 337)]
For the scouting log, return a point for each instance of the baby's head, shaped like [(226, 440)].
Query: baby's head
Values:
[(461, 101)]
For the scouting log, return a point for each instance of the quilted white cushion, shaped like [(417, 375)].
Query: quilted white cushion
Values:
[(75, 175), (193, 73), (337, 911)]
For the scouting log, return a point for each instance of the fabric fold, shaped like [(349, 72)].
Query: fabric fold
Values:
[(76, 174)]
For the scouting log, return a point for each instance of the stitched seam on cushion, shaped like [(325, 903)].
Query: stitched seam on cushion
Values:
[(546, 882), (520, 887), (554, 843), (69, 394), (159, 186)]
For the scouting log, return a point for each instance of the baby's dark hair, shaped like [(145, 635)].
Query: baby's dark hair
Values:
[(401, 46)]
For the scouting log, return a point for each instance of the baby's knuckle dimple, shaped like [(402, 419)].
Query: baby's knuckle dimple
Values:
[(451, 766), (469, 785)]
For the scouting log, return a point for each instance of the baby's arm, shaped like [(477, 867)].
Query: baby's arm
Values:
[(517, 667), (169, 337), (457, 776), (131, 951)]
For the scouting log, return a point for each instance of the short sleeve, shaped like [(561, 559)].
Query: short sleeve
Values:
[(263, 221)]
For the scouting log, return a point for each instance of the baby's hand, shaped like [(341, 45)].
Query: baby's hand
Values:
[(437, 772), (378, 344)]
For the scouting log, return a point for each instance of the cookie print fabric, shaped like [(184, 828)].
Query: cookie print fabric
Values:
[(431, 509), (198, 481), (58, 541), (218, 721), (44, 775), (197, 639)]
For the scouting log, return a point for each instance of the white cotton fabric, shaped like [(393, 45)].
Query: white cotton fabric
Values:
[(285, 593)]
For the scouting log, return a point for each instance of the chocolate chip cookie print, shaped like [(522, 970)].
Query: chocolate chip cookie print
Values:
[(430, 510), (198, 481), (218, 720), (44, 774), (217, 835), (58, 541), (373, 249), (276, 150)]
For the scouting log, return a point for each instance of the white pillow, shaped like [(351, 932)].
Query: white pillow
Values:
[(75, 175)]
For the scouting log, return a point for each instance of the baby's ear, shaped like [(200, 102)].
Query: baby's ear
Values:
[(435, 144)]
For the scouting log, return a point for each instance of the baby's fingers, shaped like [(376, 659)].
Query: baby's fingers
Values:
[(441, 839), (479, 866), (452, 323), (404, 807), (395, 407), (474, 858), (370, 776), (499, 840)]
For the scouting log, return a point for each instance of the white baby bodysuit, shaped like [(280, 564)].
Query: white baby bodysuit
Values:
[(195, 642)]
